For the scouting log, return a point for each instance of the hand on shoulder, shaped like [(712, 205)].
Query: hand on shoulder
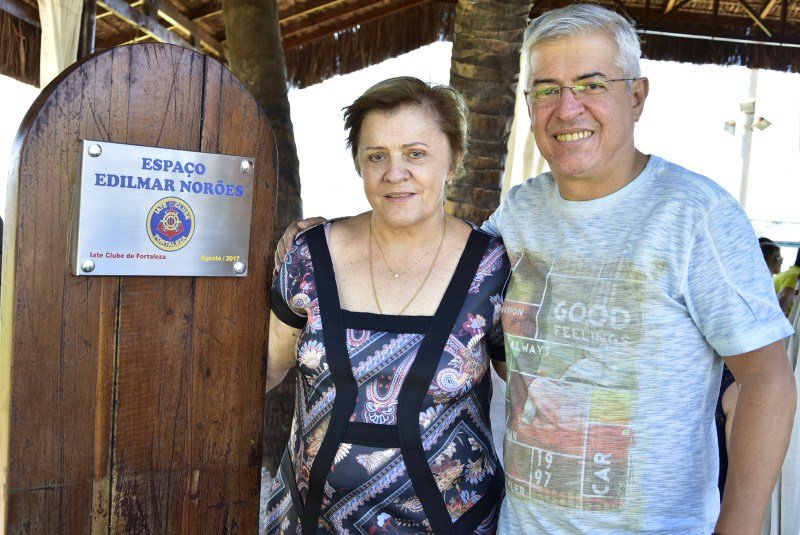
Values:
[(289, 235)]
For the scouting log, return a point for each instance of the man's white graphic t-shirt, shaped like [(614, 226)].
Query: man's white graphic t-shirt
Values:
[(615, 318)]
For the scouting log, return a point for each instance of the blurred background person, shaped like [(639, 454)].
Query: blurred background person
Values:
[(785, 285), (723, 419), (772, 256), (783, 515)]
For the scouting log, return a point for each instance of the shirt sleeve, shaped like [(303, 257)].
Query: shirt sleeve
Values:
[(495, 338), (491, 225), (293, 289), (726, 284)]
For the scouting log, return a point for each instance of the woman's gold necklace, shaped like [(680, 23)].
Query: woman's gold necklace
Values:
[(419, 288), (396, 274)]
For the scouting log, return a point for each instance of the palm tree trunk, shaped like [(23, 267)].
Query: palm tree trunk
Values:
[(256, 57), (485, 67)]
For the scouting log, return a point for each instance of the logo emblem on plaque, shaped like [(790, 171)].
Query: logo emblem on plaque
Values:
[(170, 224)]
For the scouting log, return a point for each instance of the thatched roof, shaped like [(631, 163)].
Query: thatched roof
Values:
[(322, 38), (725, 32)]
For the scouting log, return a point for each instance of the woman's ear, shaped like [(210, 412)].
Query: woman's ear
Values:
[(455, 168)]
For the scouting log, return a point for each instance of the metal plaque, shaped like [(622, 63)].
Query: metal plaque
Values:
[(152, 211)]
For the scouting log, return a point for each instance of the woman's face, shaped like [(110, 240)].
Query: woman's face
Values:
[(404, 159)]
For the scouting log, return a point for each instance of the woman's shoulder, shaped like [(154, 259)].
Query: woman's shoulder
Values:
[(494, 263), (347, 225), (342, 223), (345, 234)]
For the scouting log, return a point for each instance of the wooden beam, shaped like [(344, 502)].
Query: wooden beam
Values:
[(331, 13), (104, 14), (326, 22), (200, 13), (21, 10), (173, 16), (753, 15), (147, 24), (109, 13), (671, 15), (301, 7), (715, 16), (717, 20), (138, 39), (784, 10), (767, 9)]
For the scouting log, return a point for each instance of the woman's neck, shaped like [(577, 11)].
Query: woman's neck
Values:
[(426, 232)]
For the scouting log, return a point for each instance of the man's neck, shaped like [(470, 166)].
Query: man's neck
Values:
[(590, 188)]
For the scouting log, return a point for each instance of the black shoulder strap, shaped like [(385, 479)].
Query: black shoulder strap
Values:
[(422, 371), (338, 360)]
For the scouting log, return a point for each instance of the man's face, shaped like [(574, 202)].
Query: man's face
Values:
[(775, 263), (585, 137)]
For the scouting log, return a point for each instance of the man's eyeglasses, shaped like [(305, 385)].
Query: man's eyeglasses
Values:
[(548, 95)]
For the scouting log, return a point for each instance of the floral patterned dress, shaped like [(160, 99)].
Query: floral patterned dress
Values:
[(391, 429)]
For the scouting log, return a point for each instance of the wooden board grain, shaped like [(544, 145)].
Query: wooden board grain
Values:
[(136, 403)]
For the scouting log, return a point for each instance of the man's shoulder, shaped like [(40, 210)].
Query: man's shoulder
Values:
[(531, 187), (675, 180)]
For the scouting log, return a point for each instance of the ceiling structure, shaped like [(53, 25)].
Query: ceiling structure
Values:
[(322, 38)]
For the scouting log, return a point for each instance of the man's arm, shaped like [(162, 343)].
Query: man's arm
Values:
[(759, 436)]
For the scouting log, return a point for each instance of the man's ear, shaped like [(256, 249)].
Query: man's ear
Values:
[(530, 114), (641, 88)]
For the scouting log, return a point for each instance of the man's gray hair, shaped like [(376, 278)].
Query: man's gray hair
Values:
[(578, 19)]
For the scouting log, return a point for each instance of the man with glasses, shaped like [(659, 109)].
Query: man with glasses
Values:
[(632, 276)]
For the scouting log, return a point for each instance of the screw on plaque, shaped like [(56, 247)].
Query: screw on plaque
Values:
[(239, 268), (246, 166), (87, 266), (95, 150)]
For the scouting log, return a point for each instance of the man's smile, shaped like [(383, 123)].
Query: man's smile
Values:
[(575, 136)]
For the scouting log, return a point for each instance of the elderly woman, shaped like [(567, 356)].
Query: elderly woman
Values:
[(391, 318)]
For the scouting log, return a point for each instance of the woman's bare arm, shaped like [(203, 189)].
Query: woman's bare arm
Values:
[(281, 353)]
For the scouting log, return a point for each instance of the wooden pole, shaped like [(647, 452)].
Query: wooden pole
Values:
[(88, 24)]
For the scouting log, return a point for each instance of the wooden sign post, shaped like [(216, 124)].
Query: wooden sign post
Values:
[(131, 404)]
